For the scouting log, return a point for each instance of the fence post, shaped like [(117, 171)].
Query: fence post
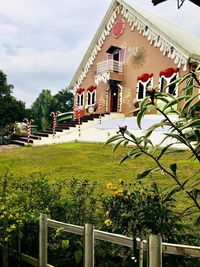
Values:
[(5, 255), (154, 251), (88, 245), (43, 241), (141, 253)]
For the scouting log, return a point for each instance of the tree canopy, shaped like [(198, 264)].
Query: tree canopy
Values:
[(11, 109), (46, 103)]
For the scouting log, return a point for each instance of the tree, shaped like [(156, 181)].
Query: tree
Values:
[(11, 109), (46, 103), (42, 108), (65, 101)]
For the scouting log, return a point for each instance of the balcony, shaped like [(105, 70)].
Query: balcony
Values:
[(109, 70), (109, 66)]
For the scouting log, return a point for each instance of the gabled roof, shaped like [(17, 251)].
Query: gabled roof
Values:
[(170, 39)]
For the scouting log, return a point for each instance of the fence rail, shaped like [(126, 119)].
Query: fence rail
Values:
[(167, 248), (154, 245)]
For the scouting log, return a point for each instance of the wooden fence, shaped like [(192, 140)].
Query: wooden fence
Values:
[(154, 246)]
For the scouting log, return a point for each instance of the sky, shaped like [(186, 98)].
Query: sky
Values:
[(43, 41)]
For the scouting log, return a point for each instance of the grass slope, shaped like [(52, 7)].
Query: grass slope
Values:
[(87, 161)]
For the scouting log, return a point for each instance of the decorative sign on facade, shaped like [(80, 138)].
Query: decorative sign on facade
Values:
[(118, 28), (136, 56)]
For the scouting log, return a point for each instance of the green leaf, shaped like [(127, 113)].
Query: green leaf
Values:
[(143, 103), (172, 83), (125, 143), (185, 77), (162, 98), (133, 137), (130, 154), (140, 115), (192, 123), (177, 137), (113, 138), (136, 155), (162, 152), (195, 192), (153, 127), (124, 158), (173, 167), (64, 244), (189, 87), (187, 103), (197, 221), (198, 68), (78, 254), (187, 209), (173, 102), (117, 145), (144, 173), (171, 193), (194, 184), (184, 183)]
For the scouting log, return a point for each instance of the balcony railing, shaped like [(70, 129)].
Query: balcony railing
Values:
[(109, 66)]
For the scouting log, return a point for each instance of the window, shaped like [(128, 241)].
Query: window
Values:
[(80, 96), (80, 100), (91, 95), (91, 98), (166, 77), (144, 81)]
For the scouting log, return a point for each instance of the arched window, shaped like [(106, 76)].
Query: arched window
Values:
[(80, 96), (91, 95), (166, 77), (144, 81)]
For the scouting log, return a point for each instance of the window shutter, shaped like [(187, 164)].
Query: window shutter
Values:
[(109, 56), (122, 55)]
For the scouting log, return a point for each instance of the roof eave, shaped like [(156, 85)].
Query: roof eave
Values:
[(93, 42)]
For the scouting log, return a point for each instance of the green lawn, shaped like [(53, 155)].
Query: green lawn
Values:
[(88, 161)]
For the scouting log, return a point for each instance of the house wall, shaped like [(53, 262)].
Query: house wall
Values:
[(153, 62)]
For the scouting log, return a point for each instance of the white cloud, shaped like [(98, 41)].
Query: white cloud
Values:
[(43, 41)]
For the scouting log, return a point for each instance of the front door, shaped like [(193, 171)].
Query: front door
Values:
[(113, 97)]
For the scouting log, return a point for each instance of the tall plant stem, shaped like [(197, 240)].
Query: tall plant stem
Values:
[(181, 133), (164, 170)]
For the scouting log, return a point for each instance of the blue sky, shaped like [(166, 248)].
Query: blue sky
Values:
[(43, 41)]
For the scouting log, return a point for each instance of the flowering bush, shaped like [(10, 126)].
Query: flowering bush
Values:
[(137, 210)]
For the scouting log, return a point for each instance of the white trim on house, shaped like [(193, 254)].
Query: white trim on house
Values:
[(171, 40)]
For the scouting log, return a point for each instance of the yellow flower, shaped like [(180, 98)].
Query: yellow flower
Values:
[(108, 222), (129, 193), (119, 192), (107, 213), (110, 186), (125, 197), (143, 193), (120, 181)]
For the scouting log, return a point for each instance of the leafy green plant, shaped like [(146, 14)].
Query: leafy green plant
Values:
[(137, 210), (185, 131)]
